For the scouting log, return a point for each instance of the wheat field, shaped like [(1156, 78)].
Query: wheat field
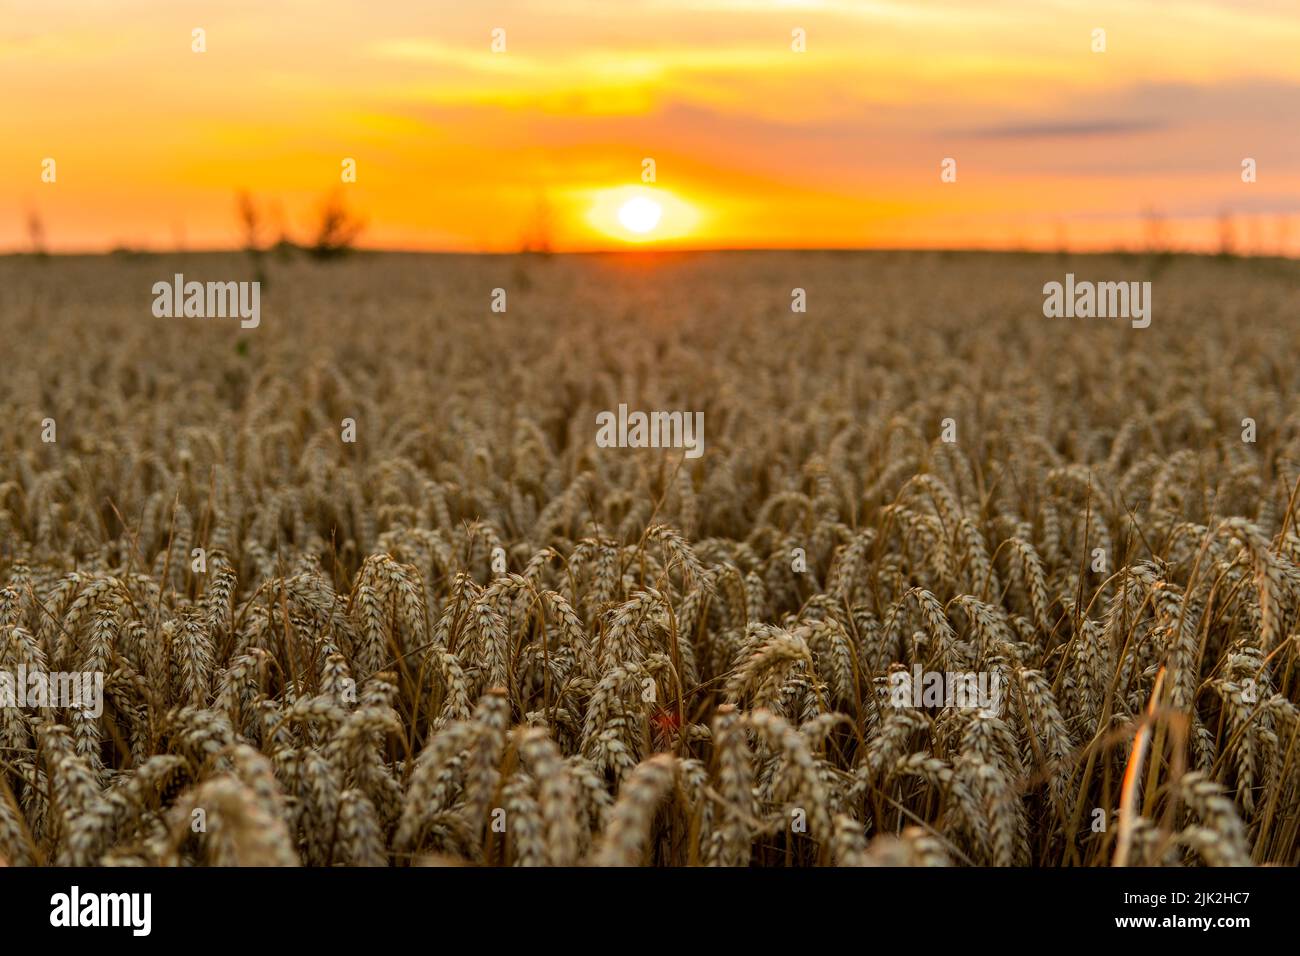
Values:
[(472, 636)]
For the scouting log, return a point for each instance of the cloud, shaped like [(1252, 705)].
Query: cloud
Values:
[(1058, 130)]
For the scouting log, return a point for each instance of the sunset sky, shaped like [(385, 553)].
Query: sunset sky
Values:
[(458, 147)]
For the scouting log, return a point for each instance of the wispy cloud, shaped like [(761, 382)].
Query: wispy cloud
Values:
[(1049, 129)]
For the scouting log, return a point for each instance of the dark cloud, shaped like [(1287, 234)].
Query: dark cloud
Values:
[(1057, 130)]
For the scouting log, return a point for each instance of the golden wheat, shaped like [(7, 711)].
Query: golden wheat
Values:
[(474, 636)]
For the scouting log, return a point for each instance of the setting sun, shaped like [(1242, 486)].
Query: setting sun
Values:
[(640, 214)]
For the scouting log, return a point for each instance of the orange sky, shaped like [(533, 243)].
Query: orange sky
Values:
[(755, 144)]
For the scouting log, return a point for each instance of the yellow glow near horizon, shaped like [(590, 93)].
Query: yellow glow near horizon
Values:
[(641, 214)]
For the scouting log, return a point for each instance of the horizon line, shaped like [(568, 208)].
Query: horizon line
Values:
[(643, 250)]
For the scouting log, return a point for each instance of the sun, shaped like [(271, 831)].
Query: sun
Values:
[(640, 214)]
